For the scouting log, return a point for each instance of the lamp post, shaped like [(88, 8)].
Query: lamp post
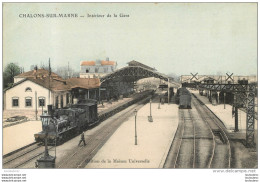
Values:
[(46, 161), (135, 112), (150, 118), (45, 118), (159, 103)]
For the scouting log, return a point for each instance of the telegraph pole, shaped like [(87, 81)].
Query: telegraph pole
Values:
[(49, 95)]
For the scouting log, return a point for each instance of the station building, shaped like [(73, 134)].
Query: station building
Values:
[(34, 90)]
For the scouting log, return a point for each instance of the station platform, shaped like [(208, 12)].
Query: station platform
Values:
[(20, 135), (224, 113), (106, 105), (153, 140)]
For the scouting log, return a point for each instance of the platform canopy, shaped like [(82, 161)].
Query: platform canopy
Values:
[(133, 74)]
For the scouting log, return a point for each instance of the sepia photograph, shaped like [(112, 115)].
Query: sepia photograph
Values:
[(149, 87)]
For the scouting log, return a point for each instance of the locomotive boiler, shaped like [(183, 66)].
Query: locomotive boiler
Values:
[(66, 122)]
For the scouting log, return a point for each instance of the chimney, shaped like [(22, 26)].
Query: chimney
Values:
[(107, 59), (35, 72)]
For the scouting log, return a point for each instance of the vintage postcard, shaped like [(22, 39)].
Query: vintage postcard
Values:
[(166, 86)]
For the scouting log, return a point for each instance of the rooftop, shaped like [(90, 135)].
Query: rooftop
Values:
[(40, 73), (85, 83), (55, 84), (136, 63), (87, 63), (108, 62), (93, 63)]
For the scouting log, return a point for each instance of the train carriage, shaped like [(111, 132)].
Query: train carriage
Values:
[(183, 98)]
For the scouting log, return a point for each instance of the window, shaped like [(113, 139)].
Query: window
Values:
[(87, 70), (105, 70), (28, 102), (96, 70), (28, 89), (15, 101), (41, 101)]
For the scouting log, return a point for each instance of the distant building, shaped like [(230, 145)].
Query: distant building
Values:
[(96, 69)]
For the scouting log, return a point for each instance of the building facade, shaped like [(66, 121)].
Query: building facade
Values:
[(96, 69), (30, 96)]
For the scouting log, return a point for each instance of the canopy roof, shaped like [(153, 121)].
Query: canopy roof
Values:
[(132, 74)]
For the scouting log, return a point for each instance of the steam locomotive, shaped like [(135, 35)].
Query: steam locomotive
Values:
[(183, 98), (66, 122)]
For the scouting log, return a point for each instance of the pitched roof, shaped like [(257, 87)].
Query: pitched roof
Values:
[(136, 63), (55, 84), (87, 63), (40, 73), (108, 62), (63, 85), (85, 83)]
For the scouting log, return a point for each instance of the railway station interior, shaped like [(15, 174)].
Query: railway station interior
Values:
[(135, 107)]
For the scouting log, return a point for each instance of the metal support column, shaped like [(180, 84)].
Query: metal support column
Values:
[(210, 96), (168, 91), (250, 116), (99, 95), (236, 119), (218, 97)]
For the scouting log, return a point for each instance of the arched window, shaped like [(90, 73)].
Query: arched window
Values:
[(28, 89)]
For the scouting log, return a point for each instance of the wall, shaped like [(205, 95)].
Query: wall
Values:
[(19, 91), (22, 110), (92, 73), (17, 79)]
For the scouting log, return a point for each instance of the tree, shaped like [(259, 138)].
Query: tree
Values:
[(66, 72), (10, 71)]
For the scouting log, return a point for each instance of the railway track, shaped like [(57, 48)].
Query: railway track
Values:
[(185, 157), (83, 155), (200, 140), (222, 151), (22, 157)]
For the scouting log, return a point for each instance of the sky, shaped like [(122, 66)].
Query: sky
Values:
[(176, 38)]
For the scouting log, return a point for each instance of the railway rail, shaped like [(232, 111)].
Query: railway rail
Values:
[(222, 153), (200, 140), (26, 154), (21, 157), (83, 155), (185, 157)]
